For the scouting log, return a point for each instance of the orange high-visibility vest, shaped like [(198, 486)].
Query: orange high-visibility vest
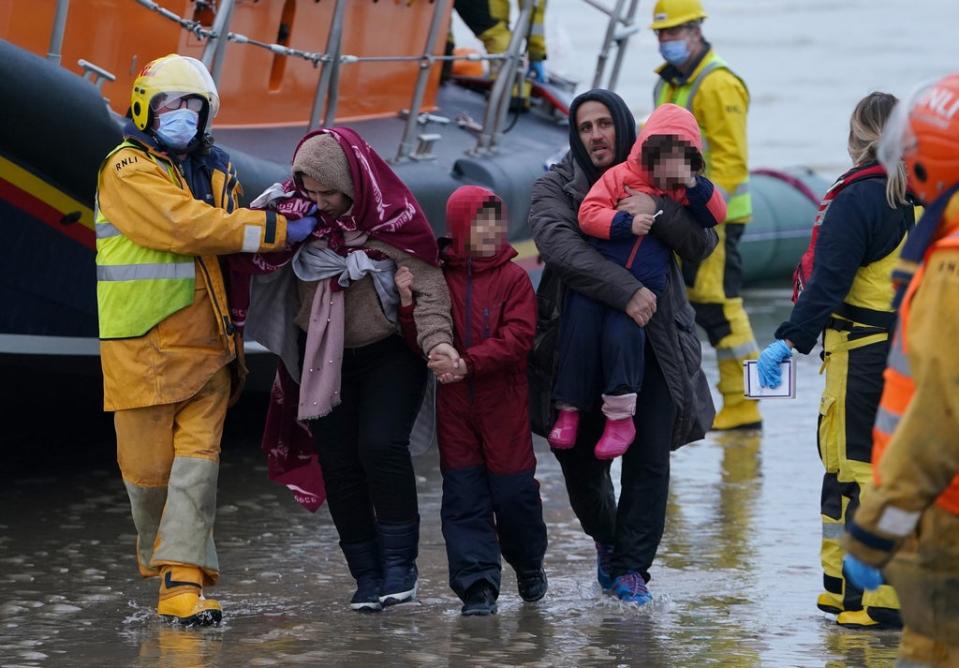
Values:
[(899, 386)]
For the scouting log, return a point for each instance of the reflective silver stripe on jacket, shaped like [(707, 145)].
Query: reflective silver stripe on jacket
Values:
[(739, 352), (107, 230), (833, 530), (138, 272), (897, 357), (699, 82), (886, 422)]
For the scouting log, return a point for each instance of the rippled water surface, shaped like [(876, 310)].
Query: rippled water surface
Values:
[(737, 573), (735, 581)]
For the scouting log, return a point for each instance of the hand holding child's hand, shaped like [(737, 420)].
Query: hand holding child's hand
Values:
[(443, 359), (642, 223), (636, 203), (454, 377), (404, 285)]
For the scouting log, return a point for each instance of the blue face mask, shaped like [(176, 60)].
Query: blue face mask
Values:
[(675, 52), (178, 128)]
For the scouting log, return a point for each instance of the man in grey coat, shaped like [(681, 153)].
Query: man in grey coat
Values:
[(674, 406)]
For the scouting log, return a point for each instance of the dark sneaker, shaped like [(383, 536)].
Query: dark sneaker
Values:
[(367, 596), (604, 558), (631, 588), (532, 585), (480, 600), (399, 585)]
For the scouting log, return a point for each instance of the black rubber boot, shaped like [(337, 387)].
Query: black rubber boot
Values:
[(400, 543), (363, 560)]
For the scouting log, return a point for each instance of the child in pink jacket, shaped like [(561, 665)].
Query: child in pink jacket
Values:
[(666, 161)]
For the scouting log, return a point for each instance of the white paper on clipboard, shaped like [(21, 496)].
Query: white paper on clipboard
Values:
[(786, 390)]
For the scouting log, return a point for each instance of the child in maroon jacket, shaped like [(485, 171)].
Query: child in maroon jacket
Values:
[(491, 504)]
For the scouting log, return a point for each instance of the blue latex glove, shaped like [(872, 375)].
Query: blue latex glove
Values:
[(771, 357), (862, 575), (299, 229), (537, 71)]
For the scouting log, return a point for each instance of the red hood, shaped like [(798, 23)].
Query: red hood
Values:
[(461, 209), (668, 119)]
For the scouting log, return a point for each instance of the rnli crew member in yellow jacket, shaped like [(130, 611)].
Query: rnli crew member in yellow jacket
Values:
[(166, 207), (908, 523), (696, 78), (860, 230)]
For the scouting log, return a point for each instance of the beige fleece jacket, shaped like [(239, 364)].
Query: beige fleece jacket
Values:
[(366, 323)]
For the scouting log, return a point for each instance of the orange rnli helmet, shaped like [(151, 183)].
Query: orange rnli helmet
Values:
[(923, 132)]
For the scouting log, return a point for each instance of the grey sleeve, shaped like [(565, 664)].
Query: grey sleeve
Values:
[(681, 233), (553, 222)]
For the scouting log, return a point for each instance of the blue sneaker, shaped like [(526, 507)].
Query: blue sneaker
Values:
[(604, 557), (631, 588)]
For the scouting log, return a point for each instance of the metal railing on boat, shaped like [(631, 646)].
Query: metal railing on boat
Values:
[(620, 28)]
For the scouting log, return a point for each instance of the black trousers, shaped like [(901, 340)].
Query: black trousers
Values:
[(363, 444), (634, 527)]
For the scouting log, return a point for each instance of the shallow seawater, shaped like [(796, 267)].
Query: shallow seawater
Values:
[(735, 581)]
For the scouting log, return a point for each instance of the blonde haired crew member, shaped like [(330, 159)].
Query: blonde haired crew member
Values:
[(865, 218)]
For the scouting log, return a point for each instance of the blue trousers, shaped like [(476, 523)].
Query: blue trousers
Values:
[(486, 514), (601, 351)]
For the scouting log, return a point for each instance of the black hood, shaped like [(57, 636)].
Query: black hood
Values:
[(622, 119)]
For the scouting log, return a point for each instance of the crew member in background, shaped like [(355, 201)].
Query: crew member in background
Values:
[(166, 207), (489, 21), (696, 78)]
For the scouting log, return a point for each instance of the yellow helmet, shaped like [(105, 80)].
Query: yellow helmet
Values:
[(672, 13), (172, 76)]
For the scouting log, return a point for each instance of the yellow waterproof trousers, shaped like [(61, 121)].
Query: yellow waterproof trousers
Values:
[(919, 651), (169, 459), (853, 361), (713, 287), (496, 39)]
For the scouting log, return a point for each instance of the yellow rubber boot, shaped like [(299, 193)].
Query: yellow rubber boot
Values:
[(830, 603), (860, 619), (737, 411), (181, 598)]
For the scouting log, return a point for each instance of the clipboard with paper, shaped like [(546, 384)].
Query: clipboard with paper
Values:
[(755, 390)]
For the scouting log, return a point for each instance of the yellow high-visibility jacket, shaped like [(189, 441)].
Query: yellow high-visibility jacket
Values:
[(145, 197), (719, 100)]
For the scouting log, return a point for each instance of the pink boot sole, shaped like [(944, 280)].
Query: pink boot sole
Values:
[(617, 436), (563, 434)]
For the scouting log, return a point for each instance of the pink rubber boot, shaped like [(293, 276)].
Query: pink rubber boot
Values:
[(619, 432), (563, 434)]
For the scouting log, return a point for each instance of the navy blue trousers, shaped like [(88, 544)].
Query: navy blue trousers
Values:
[(485, 515), (601, 351)]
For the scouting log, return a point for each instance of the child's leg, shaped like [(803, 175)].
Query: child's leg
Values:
[(623, 353), (467, 508), (508, 451), (623, 356), (578, 374)]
